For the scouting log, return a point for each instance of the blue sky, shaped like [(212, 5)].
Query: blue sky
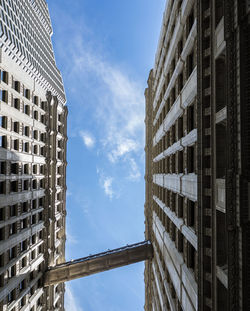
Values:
[(105, 49)]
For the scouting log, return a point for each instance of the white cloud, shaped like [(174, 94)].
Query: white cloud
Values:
[(118, 98), (107, 186), (134, 173), (88, 139), (71, 303)]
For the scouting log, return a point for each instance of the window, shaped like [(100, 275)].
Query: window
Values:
[(17, 86), (191, 213), (13, 210), (26, 185), (42, 151), (2, 187), (23, 262), (11, 296), (13, 228), (4, 122), (34, 184), (14, 186), (4, 96), (191, 263), (2, 210), (33, 239), (35, 149), (2, 234), (191, 118), (14, 168), (16, 144), (12, 252), (24, 207), (26, 131), (5, 76), (180, 242), (190, 63), (26, 169), (27, 93), (27, 109), (26, 147), (16, 103), (35, 99), (35, 114), (190, 21), (3, 167), (35, 134), (180, 162), (33, 219), (191, 159), (43, 105), (2, 260), (3, 141), (23, 245)]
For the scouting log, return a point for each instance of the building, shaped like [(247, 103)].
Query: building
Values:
[(197, 159), (33, 136)]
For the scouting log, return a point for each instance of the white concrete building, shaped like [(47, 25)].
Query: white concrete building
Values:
[(33, 136)]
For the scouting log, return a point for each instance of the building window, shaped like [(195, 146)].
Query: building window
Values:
[(11, 296), (12, 253), (191, 213), (14, 168), (13, 210), (36, 115), (190, 63), (24, 207), (26, 147), (17, 86), (27, 109), (27, 93), (180, 242), (2, 214), (14, 186), (2, 187), (190, 21), (17, 103), (3, 167), (27, 131), (16, 144), (191, 118), (26, 169), (43, 105), (4, 96), (4, 122), (191, 159), (26, 185), (35, 100), (5, 76), (3, 141), (191, 263)]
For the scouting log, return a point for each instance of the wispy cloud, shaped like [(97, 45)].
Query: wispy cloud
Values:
[(107, 186), (119, 109), (88, 139), (71, 302), (115, 98), (135, 173)]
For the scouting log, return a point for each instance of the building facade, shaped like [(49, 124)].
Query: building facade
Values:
[(33, 136), (197, 158)]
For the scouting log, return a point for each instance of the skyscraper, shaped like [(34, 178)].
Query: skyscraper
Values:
[(33, 136), (197, 158)]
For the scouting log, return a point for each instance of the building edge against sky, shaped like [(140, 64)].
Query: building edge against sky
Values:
[(197, 159), (33, 136)]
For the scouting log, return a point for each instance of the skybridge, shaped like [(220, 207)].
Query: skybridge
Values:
[(98, 263)]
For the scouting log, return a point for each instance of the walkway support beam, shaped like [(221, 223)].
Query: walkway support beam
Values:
[(98, 263)]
